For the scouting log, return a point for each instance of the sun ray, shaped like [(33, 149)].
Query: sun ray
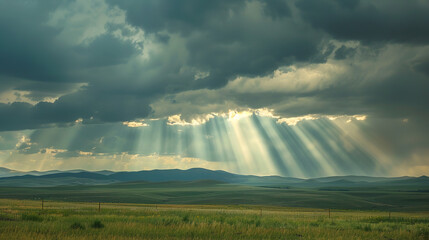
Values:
[(300, 152), (199, 143), (317, 153), (258, 148), (361, 163), (228, 150), (354, 134), (288, 160)]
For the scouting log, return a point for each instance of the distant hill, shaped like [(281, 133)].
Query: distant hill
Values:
[(11, 178), (354, 178), (80, 177), (5, 172)]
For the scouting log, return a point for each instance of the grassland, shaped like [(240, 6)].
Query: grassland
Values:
[(24, 219), (216, 193), (213, 210)]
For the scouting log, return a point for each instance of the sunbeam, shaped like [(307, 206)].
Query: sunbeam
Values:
[(326, 167), (365, 146), (287, 163), (247, 143)]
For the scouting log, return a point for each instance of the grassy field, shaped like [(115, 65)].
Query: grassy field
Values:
[(24, 219), (210, 192)]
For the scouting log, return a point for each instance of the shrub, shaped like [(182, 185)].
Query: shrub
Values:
[(4, 217), (367, 228), (97, 224), (31, 217), (169, 221), (423, 233), (185, 218), (77, 225)]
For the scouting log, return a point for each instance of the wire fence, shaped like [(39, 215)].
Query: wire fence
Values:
[(43, 205)]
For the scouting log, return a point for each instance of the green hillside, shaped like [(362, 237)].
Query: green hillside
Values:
[(215, 192)]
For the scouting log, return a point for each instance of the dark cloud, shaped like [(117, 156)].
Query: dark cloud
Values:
[(28, 47), (222, 39), (106, 50), (344, 52), (173, 16), (369, 21), (277, 8), (68, 109), (111, 76), (386, 83), (17, 116), (422, 64), (35, 60), (229, 38)]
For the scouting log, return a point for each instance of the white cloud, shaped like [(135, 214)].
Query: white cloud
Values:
[(177, 120), (292, 121), (231, 115), (24, 140), (135, 124), (201, 75), (293, 79)]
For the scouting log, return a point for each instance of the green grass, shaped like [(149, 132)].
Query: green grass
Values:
[(24, 219), (209, 192)]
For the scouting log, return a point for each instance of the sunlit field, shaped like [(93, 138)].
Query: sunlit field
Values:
[(24, 219)]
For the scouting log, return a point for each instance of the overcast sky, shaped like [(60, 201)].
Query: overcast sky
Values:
[(297, 88)]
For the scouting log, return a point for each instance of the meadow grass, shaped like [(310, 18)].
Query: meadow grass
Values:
[(212, 193), (24, 219)]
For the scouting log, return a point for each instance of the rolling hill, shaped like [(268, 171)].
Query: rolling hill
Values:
[(81, 177), (203, 186)]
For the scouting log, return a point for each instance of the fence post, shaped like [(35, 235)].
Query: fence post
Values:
[(329, 212), (42, 204), (99, 206)]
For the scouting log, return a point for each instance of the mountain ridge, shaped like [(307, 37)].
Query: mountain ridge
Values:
[(82, 177)]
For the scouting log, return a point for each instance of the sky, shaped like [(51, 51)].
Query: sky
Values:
[(301, 88)]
